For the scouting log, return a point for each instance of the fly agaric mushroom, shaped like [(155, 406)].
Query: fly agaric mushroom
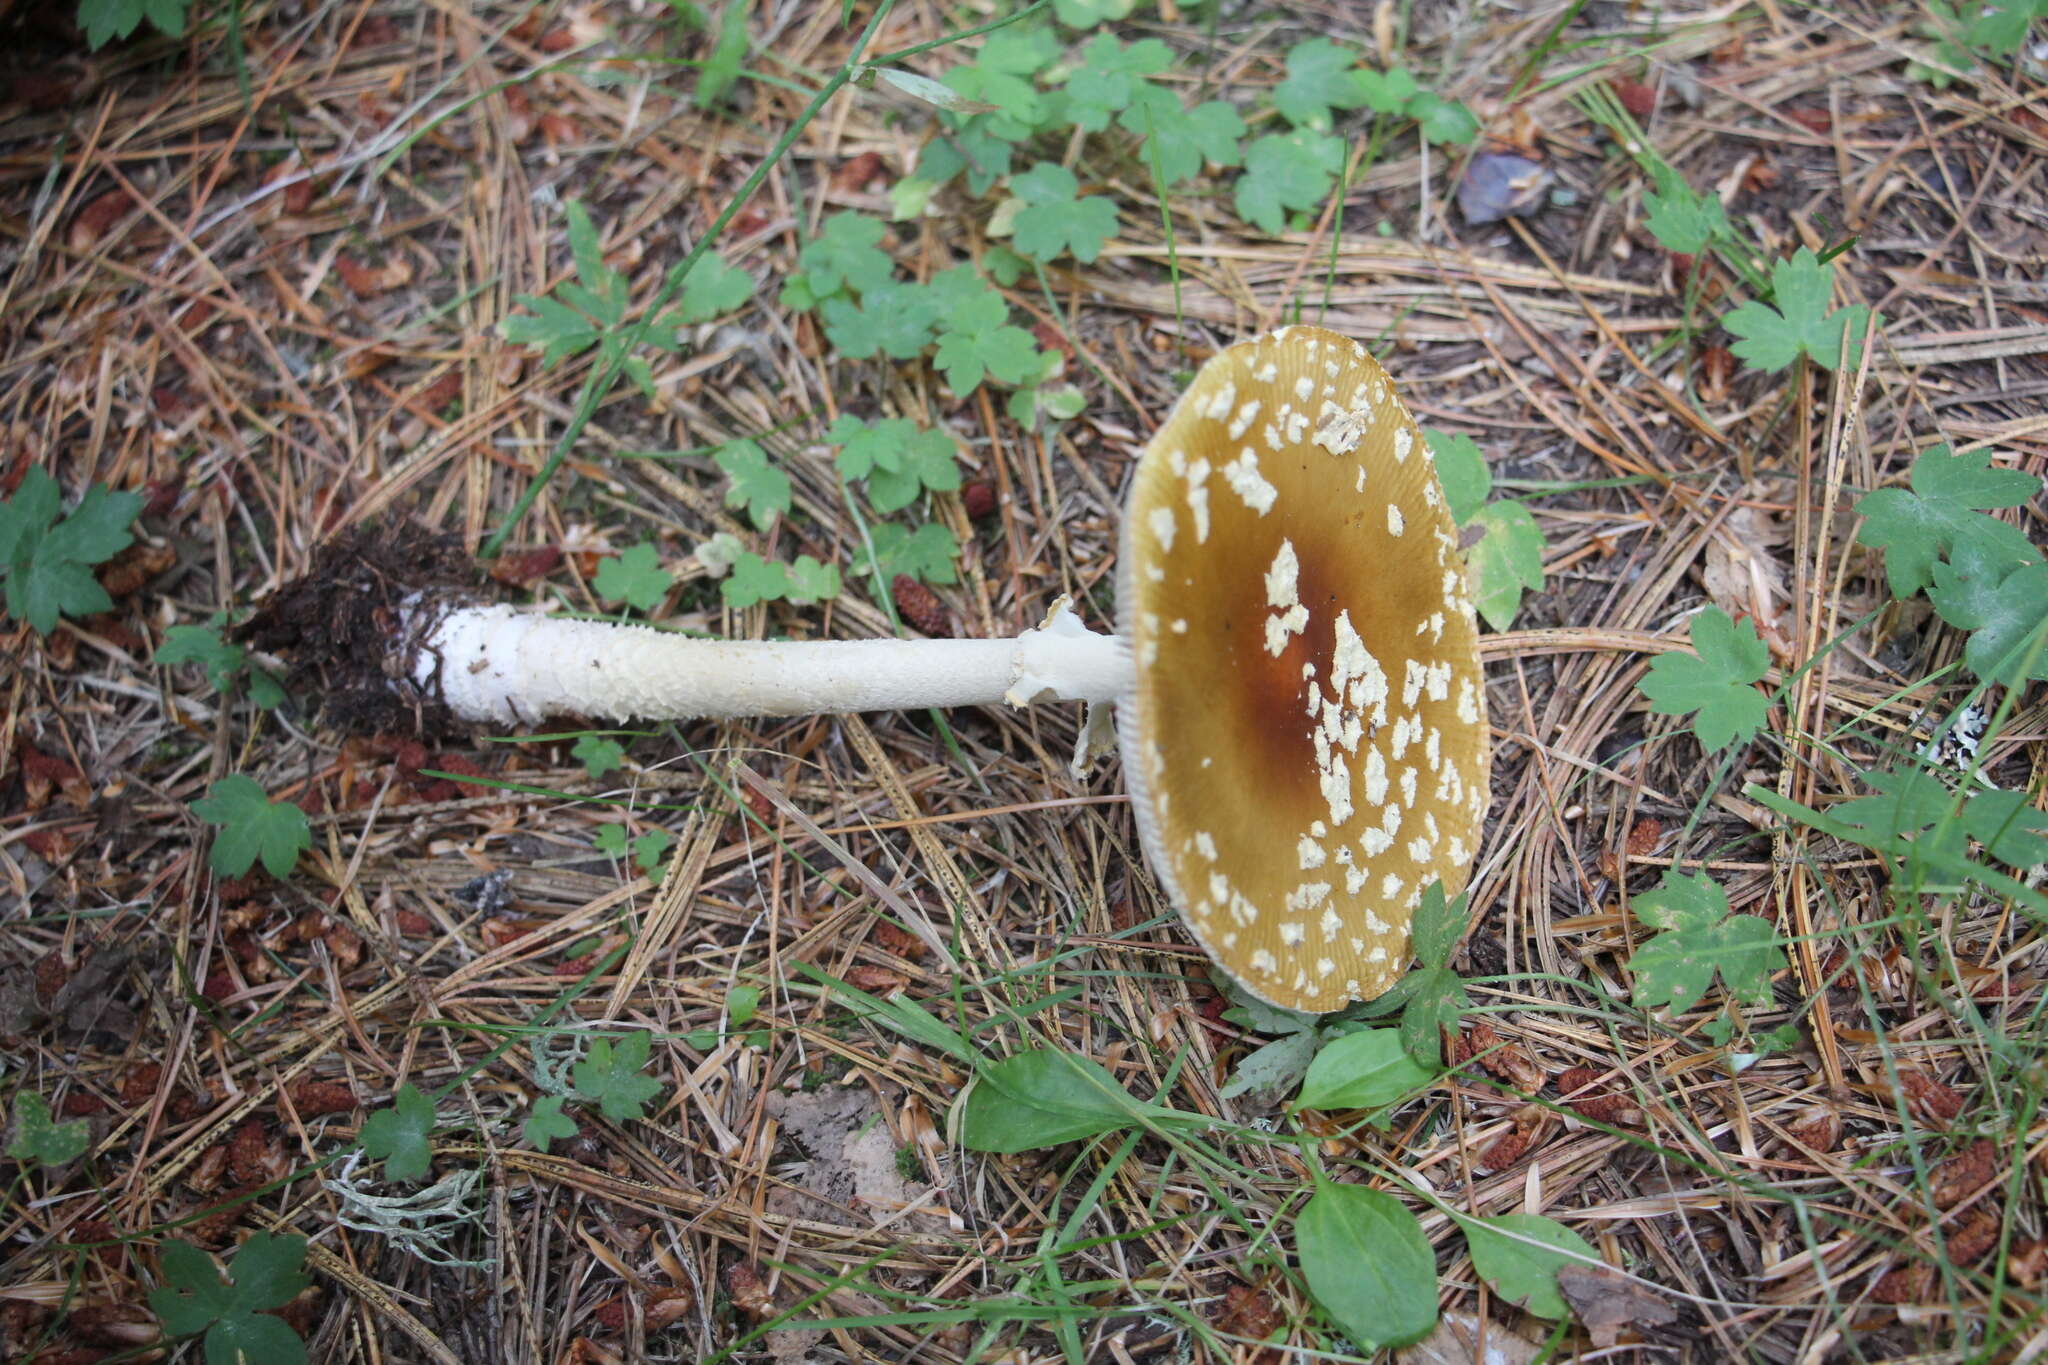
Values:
[(1296, 676)]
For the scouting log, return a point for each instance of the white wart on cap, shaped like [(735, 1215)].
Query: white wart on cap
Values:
[(1305, 740)]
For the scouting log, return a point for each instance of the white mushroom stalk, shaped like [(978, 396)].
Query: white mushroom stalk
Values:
[(498, 665)]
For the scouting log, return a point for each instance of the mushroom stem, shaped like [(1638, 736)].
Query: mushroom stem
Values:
[(499, 665)]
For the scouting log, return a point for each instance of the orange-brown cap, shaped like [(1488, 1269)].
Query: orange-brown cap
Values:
[(1305, 741)]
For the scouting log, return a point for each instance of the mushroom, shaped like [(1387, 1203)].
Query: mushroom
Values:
[(1296, 673)]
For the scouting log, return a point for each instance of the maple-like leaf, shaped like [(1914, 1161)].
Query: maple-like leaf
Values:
[(1699, 938), (1717, 681), (1798, 321), (1942, 512)]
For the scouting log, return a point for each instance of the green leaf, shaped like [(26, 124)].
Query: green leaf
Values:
[(252, 826), (610, 840), (610, 1077), (1520, 1254), (977, 341), (897, 459), (1437, 925), (1110, 77), (1044, 1097), (754, 579), (1321, 76), (1004, 73), (227, 665), (1718, 681), (1390, 91), (598, 755), (1506, 561), (106, 20), (254, 1337), (1287, 171), (2008, 826), (740, 1004), (1089, 13), (547, 1123), (635, 577), (650, 848), (926, 554), (1433, 1001), (1909, 801), (1466, 479), (1368, 1265), (2004, 612), (758, 486), (1362, 1070), (1054, 221), (722, 68), (1681, 219), (1943, 514), (1798, 321), (49, 563), (400, 1136), (712, 287), (845, 255), (906, 1017), (36, 1139), (192, 1296), (892, 319), (266, 1273), (1443, 120), (1699, 937), (1275, 1068), (1178, 143), (811, 581)]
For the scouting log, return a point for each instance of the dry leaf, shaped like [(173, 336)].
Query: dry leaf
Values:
[(1457, 1341), (1608, 1302)]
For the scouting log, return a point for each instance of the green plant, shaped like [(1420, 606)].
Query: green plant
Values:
[(1681, 219), (1696, 938), (647, 849), (1045, 1096), (402, 1136), (1798, 320), (1716, 684), (722, 68), (106, 20), (1431, 997), (1983, 575), (1283, 171), (228, 666), (40, 1141), (1507, 559), (1962, 34), (754, 580), (1368, 1264), (1053, 220), (1366, 1069), (48, 560), (895, 459), (635, 577), (598, 755), (592, 310), (236, 1318), (1110, 78), (926, 554), (252, 827), (610, 1078), (758, 486)]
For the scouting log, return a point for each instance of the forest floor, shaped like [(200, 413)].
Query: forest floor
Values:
[(590, 1045)]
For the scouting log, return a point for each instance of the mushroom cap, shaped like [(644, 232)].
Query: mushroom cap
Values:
[(1305, 738)]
